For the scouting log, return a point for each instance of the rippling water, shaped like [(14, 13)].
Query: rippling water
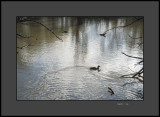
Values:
[(49, 69)]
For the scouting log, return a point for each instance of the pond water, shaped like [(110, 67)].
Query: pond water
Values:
[(51, 69)]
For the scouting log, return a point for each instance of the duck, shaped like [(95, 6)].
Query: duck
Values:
[(102, 35), (95, 68)]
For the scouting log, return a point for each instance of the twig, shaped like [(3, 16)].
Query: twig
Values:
[(22, 47), (129, 83), (122, 26), (134, 77), (131, 70), (132, 56), (139, 72), (110, 90), (45, 27), (140, 62), (134, 37), (127, 75), (139, 44), (23, 36)]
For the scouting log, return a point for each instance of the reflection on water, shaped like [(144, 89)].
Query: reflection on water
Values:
[(49, 69)]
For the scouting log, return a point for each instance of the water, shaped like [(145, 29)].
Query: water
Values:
[(51, 69)]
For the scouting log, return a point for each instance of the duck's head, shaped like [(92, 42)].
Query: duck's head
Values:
[(98, 66)]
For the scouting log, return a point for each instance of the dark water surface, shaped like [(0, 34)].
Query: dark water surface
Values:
[(50, 69)]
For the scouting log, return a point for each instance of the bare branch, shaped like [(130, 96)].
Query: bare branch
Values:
[(129, 83), (23, 36), (45, 27), (22, 47), (128, 75), (139, 44), (122, 26), (139, 72), (135, 37), (140, 62), (132, 56)]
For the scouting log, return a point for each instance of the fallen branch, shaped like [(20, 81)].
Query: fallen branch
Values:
[(132, 56)]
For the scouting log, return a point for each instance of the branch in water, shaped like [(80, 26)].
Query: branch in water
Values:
[(23, 36), (140, 62), (140, 44), (139, 72), (129, 83), (128, 75), (135, 37), (132, 56), (123, 26), (24, 46), (45, 27)]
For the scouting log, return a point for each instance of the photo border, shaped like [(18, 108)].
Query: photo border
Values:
[(72, 99), (10, 106)]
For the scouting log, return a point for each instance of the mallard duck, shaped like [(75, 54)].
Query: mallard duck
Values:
[(110, 90), (95, 68)]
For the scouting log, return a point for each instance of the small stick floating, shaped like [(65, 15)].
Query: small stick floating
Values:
[(110, 90)]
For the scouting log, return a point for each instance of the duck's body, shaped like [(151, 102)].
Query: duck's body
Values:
[(95, 68)]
